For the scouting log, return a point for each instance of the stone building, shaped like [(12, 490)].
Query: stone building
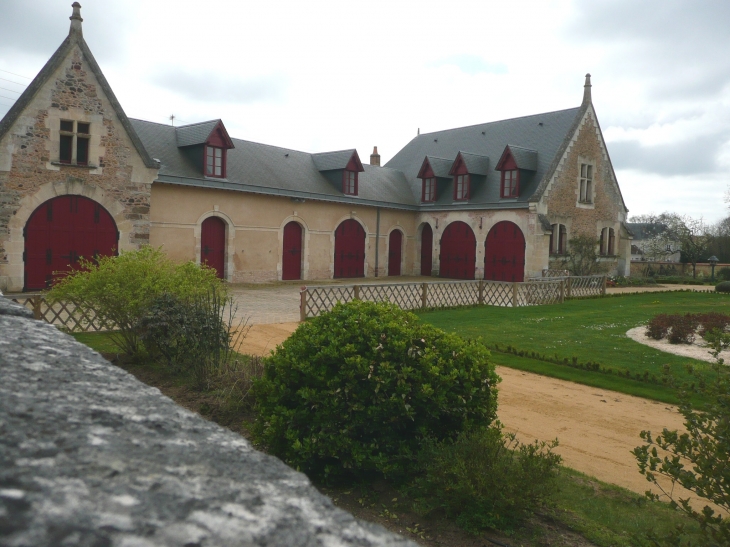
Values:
[(498, 200)]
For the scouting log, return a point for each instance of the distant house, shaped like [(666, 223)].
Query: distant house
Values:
[(498, 200), (651, 243)]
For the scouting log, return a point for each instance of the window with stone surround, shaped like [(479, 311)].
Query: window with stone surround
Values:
[(558, 239), (74, 142), (586, 183), (607, 243)]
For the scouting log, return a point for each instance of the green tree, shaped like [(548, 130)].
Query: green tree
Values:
[(581, 257), (698, 459), (120, 289)]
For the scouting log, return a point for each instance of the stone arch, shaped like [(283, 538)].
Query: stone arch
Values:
[(396, 250), (332, 241), (230, 240), (457, 258), (425, 249), (504, 252)]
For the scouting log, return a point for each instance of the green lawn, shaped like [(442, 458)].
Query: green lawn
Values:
[(590, 330)]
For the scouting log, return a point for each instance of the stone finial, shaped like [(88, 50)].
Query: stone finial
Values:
[(76, 19), (587, 89), (375, 157)]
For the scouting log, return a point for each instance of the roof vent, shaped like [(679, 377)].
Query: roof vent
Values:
[(435, 140)]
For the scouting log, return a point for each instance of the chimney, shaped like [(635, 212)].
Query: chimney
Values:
[(375, 157), (76, 19), (587, 90)]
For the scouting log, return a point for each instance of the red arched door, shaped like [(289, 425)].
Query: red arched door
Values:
[(458, 251), (61, 231), (504, 253), (350, 249), (213, 244), (291, 260), (426, 250), (395, 246)]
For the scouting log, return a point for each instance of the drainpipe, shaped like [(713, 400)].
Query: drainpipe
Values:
[(377, 241)]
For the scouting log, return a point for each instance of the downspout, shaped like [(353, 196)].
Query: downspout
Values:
[(377, 240)]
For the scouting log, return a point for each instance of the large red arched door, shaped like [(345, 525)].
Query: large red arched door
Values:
[(291, 260), (350, 249), (458, 251), (395, 246), (504, 253), (213, 245), (426, 250), (60, 232)]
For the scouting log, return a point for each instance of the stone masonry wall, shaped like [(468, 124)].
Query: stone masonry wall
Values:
[(91, 456), (29, 153)]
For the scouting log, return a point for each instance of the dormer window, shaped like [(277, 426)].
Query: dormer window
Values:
[(461, 187), (510, 183), (349, 183), (428, 192), (74, 142), (215, 162)]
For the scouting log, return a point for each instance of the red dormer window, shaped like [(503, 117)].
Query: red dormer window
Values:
[(349, 183), (428, 191), (510, 183), (215, 164), (461, 187)]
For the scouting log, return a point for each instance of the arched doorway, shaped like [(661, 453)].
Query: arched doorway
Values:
[(291, 260), (349, 249), (426, 250), (213, 245), (504, 253), (395, 248), (458, 251), (60, 232)]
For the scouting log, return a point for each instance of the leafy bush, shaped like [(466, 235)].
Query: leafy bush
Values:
[(681, 329), (658, 327), (486, 478), (723, 287), (724, 274), (190, 334), (121, 288), (360, 387)]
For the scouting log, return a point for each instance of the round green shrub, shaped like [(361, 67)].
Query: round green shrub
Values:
[(360, 387), (723, 287)]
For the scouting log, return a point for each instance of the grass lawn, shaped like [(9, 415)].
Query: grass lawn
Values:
[(590, 330)]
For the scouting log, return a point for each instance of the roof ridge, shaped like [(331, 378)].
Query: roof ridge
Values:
[(198, 123)]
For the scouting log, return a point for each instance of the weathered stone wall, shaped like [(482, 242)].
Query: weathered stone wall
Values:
[(30, 172), (561, 200), (91, 456)]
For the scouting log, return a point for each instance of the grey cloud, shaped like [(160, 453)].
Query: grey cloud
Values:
[(691, 157), (220, 88)]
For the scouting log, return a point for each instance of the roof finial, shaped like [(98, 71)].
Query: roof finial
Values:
[(587, 89), (76, 19)]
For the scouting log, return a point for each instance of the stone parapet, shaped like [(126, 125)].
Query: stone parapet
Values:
[(91, 456)]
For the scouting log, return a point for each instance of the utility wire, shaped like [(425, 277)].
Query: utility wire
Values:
[(14, 74), (11, 90), (12, 82), (11, 98)]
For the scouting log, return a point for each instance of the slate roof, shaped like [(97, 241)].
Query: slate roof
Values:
[(196, 133), (524, 157), (542, 137), (74, 38), (440, 166), (271, 170), (329, 161), (475, 164)]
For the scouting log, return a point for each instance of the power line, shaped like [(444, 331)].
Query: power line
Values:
[(11, 98), (12, 82), (11, 90), (14, 74)]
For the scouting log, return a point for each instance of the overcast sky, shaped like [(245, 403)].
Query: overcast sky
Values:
[(327, 75)]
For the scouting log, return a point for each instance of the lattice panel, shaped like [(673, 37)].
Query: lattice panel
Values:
[(498, 293), (539, 293), (552, 272), (406, 296), (66, 315), (446, 295), (322, 299), (590, 285)]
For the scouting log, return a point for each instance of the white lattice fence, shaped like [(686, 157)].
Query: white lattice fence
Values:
[(452, 293), (589, 285), (499, 293), (540, 292), (407, 296), (317, 300), (67, 314)]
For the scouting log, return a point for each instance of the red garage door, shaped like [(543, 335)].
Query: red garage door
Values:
[(458, 251), (426, 250), (291, 260), (504, 253), (213, 244), (395, 245), (349, 249), (61, 231)]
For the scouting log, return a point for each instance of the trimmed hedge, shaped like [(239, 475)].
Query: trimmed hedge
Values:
[(359, 388)]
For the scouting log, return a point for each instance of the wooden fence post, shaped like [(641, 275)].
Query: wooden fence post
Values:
[(568, 285), (303, 304), (357, 292), (515, 292), (562, 291), (481, 292), (603, 286), (37, 299), (424, 295)]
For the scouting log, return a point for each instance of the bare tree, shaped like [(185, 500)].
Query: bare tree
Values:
[(581, 257), (693, 234)]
